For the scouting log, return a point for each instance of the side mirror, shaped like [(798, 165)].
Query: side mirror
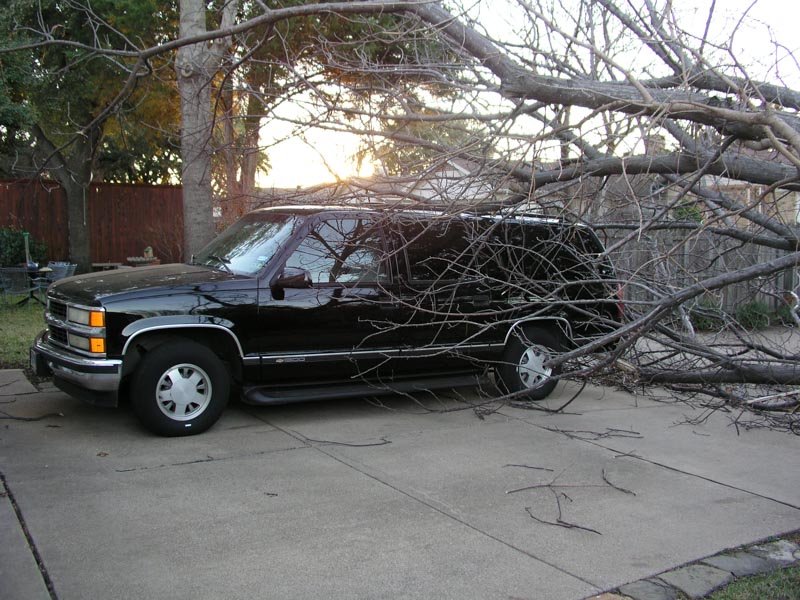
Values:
[(293, 278)]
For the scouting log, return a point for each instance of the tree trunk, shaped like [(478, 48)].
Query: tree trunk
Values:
[(74, 173), (78, 225), (752, 372), (196, 65), (194, 87), (198, 224), (250, 160)]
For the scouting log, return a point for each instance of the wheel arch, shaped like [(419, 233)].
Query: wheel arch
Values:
[(551, 322), (220, 340)]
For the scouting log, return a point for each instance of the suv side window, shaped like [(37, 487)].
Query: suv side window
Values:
[(343, 252), (436, 251)]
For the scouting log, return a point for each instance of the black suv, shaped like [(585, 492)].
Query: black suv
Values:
[(305, 303)]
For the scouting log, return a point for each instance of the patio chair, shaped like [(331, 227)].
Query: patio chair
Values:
[(58, 270), (16, 281)]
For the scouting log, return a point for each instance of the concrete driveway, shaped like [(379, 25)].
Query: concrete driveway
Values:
[(351, 500)]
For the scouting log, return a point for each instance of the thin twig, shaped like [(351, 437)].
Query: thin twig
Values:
[(616, 487), (530, 467), (5, 415)]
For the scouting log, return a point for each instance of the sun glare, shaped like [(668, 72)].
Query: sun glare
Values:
[(317, 157)]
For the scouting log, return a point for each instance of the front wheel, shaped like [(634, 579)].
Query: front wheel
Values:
[(523, 369), (180, 388)]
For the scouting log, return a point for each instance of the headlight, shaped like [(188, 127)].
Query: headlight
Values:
[(92, 318), (93, 340), (93, 344)]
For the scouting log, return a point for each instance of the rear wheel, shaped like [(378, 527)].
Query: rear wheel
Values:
[(523, 368), (180, 388)]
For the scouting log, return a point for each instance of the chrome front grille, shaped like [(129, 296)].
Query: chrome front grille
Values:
[(58, 309), (58, 335)]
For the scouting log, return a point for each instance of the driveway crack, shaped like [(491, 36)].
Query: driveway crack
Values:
[(29, 538), (428, 504)]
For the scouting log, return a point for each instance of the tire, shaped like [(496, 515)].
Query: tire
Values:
[(180, 388), (522, 369)]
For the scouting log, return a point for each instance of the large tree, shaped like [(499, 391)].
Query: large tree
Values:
[(78, 104)]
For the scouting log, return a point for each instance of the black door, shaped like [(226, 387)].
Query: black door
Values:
[(445, 301), (341, 326)]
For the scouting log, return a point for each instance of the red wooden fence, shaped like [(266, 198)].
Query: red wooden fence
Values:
[(123, 219), (38, 207)]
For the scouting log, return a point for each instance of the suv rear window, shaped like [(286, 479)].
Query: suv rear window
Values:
[(436, 250)]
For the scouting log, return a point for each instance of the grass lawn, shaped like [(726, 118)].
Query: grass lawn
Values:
[(783, 584), (18, 326)]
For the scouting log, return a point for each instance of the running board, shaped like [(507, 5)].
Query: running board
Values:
[(264, 395)]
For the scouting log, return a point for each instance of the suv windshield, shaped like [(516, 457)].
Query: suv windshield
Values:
[(247, 245)]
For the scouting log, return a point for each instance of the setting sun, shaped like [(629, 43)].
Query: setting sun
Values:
[(315, 157)]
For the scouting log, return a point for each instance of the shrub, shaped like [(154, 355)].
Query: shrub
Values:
[(707, 316), (12, 248), (753, 315), (688, 211)]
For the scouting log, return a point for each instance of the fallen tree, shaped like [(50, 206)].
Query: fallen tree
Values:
[(621, 115)]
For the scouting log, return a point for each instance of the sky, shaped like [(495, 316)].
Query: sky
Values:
[(323, 156), (771, 21)]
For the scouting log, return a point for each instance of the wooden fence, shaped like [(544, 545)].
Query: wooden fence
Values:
[(662, 262), (123, 219)]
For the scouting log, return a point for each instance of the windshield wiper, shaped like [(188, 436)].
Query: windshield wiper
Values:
[(223, 261)]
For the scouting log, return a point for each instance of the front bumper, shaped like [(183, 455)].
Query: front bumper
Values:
[(96, 380)]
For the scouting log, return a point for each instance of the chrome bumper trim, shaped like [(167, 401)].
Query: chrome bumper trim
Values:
[(98, 374)]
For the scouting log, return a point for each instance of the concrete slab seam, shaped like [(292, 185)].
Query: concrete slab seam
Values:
[(621, 454), (320, 447), (460, 521), (31, 543)]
